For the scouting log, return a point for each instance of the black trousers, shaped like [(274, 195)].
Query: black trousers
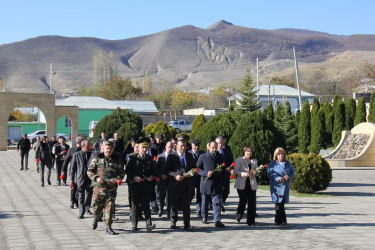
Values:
[(181, 196), (247, 197), (280, 215), (226, 185), (25, 155), (163, 194), (84, 198), (140, 194), (59, 164)]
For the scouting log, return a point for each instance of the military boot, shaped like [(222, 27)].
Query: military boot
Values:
[(94, 224), (109, 230)]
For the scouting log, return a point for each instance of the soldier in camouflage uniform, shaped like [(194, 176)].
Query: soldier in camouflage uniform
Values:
[(140, 171), (105, 171)]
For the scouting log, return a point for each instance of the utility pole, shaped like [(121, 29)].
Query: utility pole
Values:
[(51, 74), (299, 89), (257, 79)]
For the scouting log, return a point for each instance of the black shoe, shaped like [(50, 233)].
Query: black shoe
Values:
[(89, 212), (219, 224), (150, 227), (21, 168), (42, 184), (94, 224), (251, 224), (71, 205), (160, 213), (80, 217), (238, 218), (110, 231), (223, 209), (49, 182), (134, 228), (188, 228), (173, 225), (204, 221)]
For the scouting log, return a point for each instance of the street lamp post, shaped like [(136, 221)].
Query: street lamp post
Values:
[(51, 74)]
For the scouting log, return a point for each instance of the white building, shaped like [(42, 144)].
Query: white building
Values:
[(278, 94)]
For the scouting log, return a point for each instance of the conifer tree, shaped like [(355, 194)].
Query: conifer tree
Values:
[(304, 129), (248, 100), (371, 116), (289, 130), (339, 123), (328, 115), (360, 114), (336, 100), (350, 108), (278, 117), (198, 123), (317, 131), (270, 115)]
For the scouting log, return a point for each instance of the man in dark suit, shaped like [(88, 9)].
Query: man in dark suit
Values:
[(78, 174), (211, 182), (226, 152), (154, 154), (164, 179), (25, 146), (158, 144), (119, 143), (180, 186), (196, 152)]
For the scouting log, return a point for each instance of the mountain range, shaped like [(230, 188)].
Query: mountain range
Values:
[(188, 56)]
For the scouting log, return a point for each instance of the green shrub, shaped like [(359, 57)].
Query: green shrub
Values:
[(198, 123), (129, 130), (262, 178), (313, 172)]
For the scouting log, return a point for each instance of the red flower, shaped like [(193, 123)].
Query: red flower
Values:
[(63, 152), (232, 176), (196, 170), (265, 166), (155, 158), (90, 147), (157, 178), (233, 165), (119, 182), (223, 164), (279, 195), (62, 177), (37, 160)]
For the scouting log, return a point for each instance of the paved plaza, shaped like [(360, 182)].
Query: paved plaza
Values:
[(35, 217)]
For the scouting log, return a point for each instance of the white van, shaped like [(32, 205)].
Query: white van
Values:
[(92, 126)]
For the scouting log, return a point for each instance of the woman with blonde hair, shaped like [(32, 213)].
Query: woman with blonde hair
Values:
[(246, 185), (280, 172)]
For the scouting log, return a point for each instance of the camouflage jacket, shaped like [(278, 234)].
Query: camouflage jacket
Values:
[(105, 169)]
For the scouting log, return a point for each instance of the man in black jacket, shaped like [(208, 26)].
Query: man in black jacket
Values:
[(60, 150), (65, 171), (211, 182), (196, 153), (52, 143), (180, 184), (25, 146), (78, 175)]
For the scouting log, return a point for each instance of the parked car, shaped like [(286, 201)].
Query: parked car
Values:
[(181, 125), (32, 136), (10, 141)]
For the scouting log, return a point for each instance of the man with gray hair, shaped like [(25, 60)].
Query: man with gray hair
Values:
[(78, 175)]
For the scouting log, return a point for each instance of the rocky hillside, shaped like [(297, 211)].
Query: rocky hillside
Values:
[(191, 57)]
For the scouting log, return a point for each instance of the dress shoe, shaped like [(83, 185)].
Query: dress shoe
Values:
[(80, 217), (94, 224), (150, 227), (238, 218), (204, 221), (219, 224), (251, 224), (160, 213), (21, 168), (223, 209), (173, 225), (88, 212), (49, 182), (188, 228), (110, 231), (134, 228), (42, 184), (71, 205)]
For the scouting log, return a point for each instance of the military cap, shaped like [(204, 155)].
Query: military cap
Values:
[(143, 141), (196, 142), (108, 143)]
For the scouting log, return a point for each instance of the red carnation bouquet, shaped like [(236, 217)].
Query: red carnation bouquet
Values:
[(191, 172), (63, 152), (155, 158), (37, 160), (217, 169), (62, 177)]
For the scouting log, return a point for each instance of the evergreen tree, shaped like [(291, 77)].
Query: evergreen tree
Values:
[(222, 124), (315, 106), (297, 118), (270, 115), (258, 132), (350, 108), (278, 115), (161, 128), (248, 100), (339, 123), (328, 115), (289, 130), (317, 131), (371, 116), (304, 129), (198, 123), (336, 99), (360, 114)]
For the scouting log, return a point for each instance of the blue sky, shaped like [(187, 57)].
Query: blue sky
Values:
[(116, 19)]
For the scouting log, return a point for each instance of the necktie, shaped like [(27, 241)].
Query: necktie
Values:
[(182, 161)]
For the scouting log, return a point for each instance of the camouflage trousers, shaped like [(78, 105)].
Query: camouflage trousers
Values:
[(104, 204)]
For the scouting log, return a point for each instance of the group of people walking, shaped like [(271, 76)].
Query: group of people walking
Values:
[(160, 174)]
